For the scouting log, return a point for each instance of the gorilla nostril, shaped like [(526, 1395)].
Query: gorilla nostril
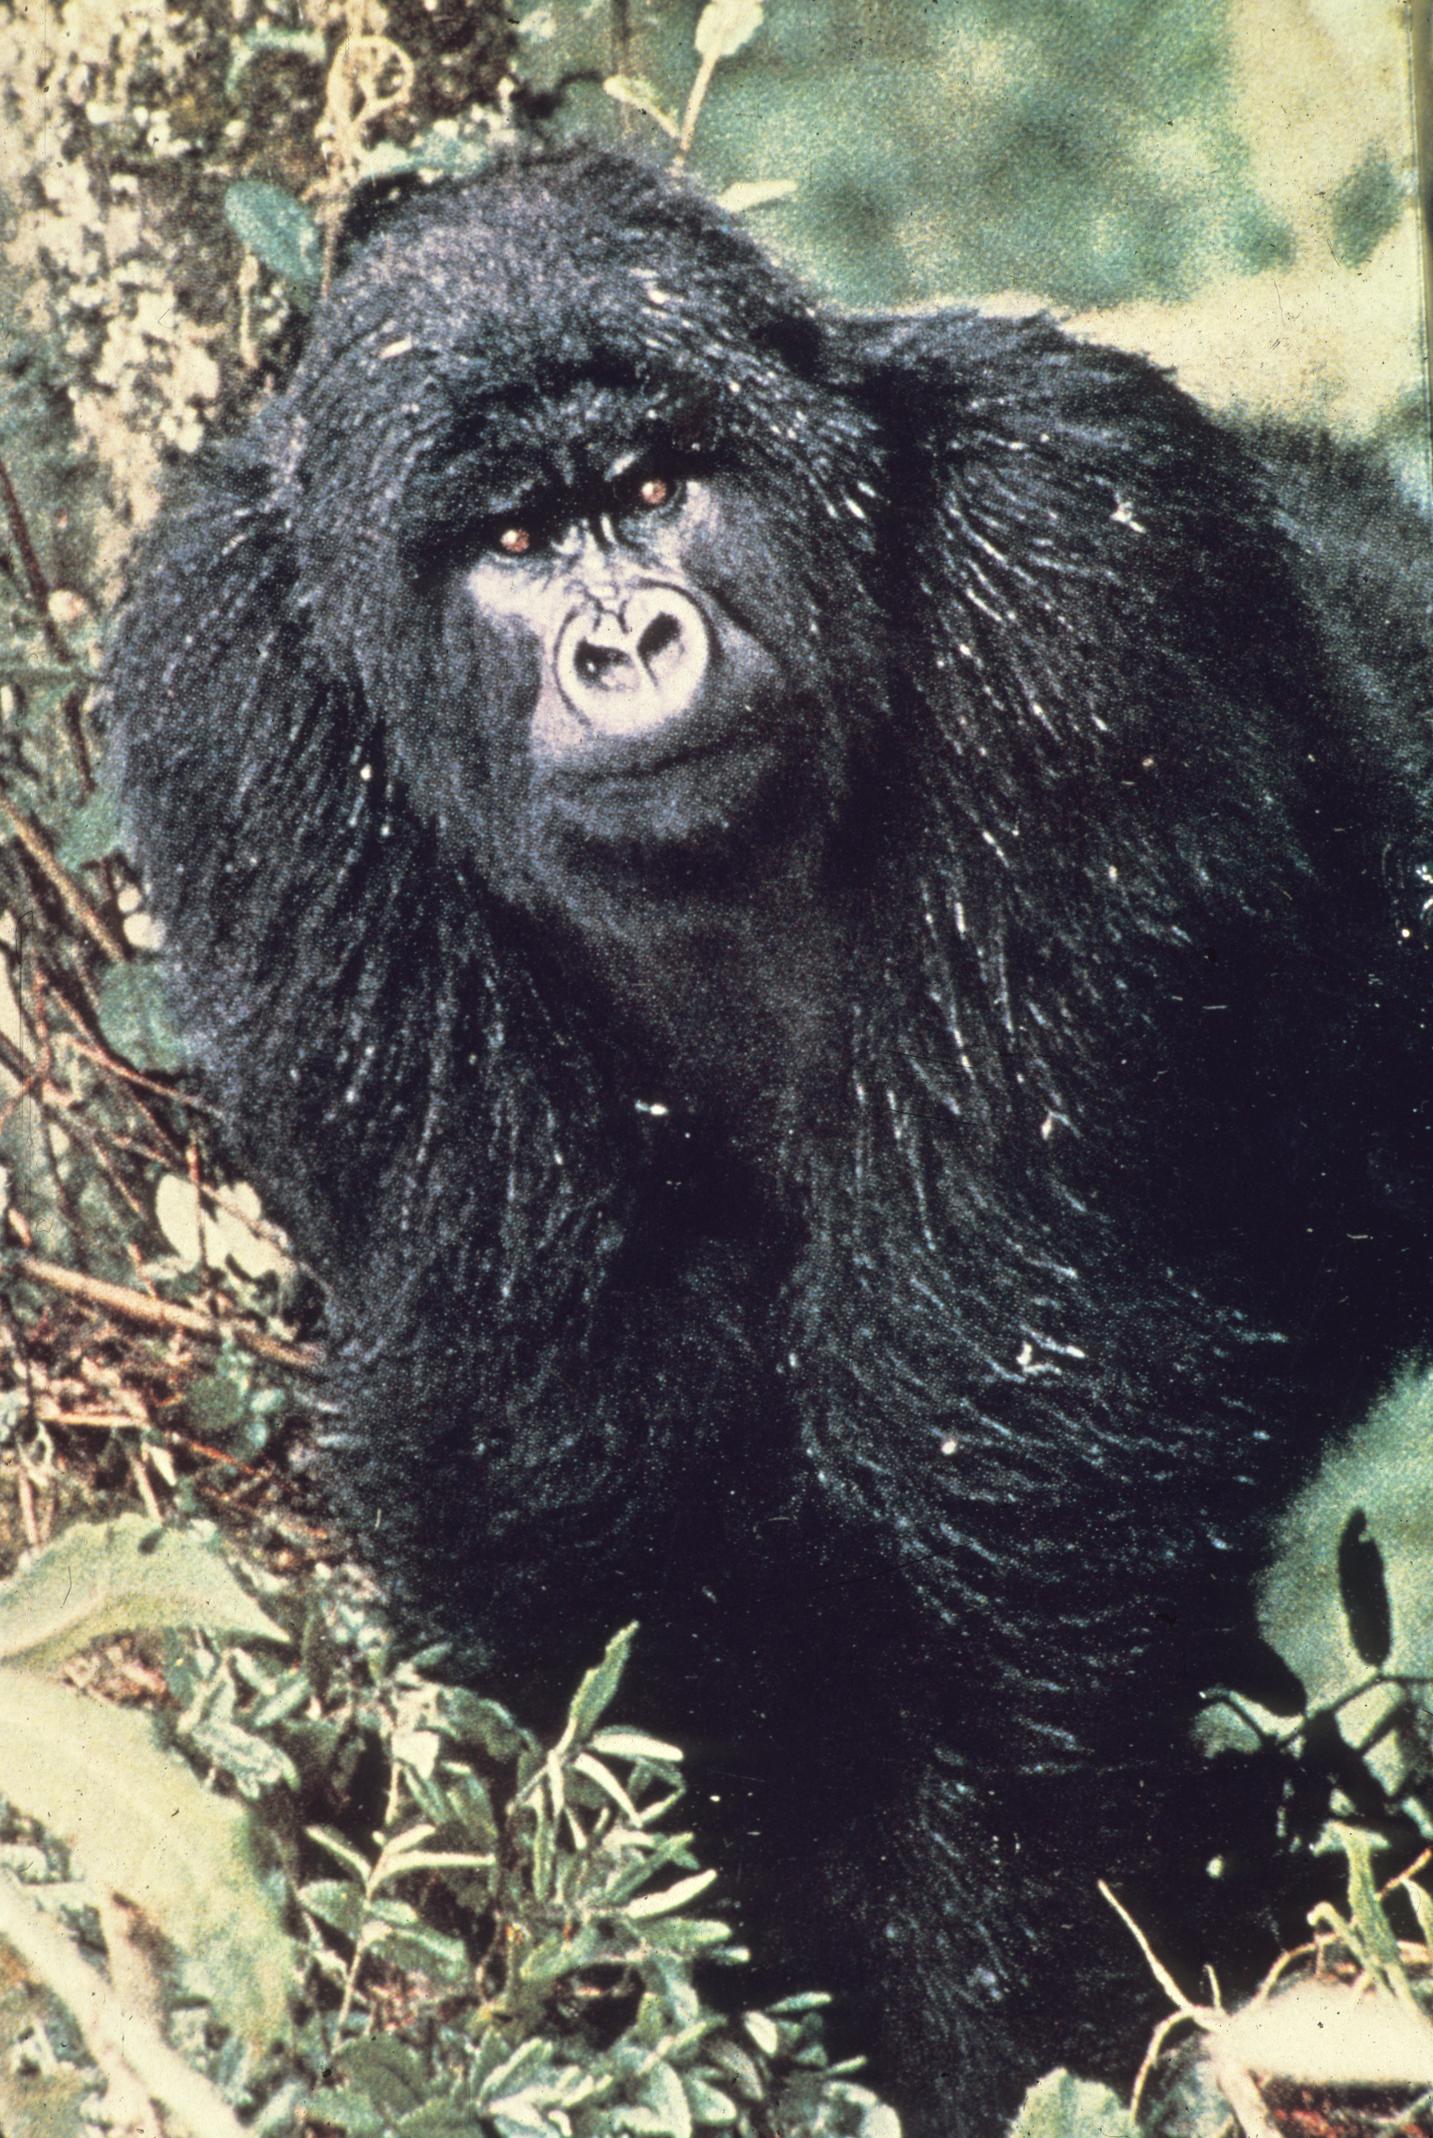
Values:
[(633, 671), (662, 635), (604, 667)]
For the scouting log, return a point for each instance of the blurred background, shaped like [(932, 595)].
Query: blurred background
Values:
[(1231, 186)]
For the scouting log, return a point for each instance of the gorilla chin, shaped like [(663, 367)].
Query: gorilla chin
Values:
[(866, 737)]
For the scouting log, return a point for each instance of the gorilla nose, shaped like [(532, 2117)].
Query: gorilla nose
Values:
[(630, 670)]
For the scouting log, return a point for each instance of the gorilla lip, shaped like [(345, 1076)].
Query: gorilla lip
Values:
[(617, 764), (644, 798)]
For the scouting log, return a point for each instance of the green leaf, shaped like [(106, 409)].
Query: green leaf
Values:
[(469, 1718), (126, 1576), (1421, 1902), (689, 1934), (336, 1903), (390, 2072), (764, 2032), (347, 1855), (714, 2110), (229, 1404), (142, 1825), (347, 2112), (635, 1744), (278, 229), (419, 1950), (503, 2078), (671, 1897), (1062, 2106), (607, 1782), (135, 1019), (93, 831), (562, 1955), (664, 2094), (1375, 1941), (595, 1694), (724, 26), (737, 2068)]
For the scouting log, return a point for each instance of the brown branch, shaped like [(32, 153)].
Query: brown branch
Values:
[(114, 1065), (35, 580), (153, 1313), (622, 43), (83, 909)]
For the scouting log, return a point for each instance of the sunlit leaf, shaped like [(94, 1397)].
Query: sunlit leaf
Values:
[(595, 1694), (141, 1824), (125, 1576), (749, 193), (724, 26), (671, 1897), (1062, 2106)]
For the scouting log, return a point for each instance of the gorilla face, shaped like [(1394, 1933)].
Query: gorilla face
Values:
[(655, 719)]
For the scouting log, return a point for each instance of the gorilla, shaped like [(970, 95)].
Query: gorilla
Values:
[(818, 925)]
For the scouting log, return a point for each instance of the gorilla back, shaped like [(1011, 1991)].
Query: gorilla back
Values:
[(817, 924)]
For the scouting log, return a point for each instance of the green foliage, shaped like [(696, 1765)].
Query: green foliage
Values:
[(141, 1826), (557, 1927), (724, 26), (1062, 2106), (134, 1018), (1348, 1607), (235, 1405), (280, 231), (510, 1950), (129, 1575), (138, 1823)]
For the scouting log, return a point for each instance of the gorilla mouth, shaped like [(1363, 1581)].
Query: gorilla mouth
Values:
[(662, 792), (652, 764)]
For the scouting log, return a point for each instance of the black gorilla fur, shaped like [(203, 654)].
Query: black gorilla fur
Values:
[(884, 1196)]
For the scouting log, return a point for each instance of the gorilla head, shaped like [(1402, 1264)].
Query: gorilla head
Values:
[(812, 921), (596, 482)]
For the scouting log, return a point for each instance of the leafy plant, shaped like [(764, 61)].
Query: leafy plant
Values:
[(140, 1827), (564, 1964)]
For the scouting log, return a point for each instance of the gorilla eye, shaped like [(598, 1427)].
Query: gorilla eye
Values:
[(655, 492), (515, 541)]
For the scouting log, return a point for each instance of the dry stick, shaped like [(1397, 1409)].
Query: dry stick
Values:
[(114, 1065), (622, 42), (30, 565), (37, 846), (709, 64), (130, 2053), (161, 1313)]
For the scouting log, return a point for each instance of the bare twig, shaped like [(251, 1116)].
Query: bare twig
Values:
[(114, 1065), (152, 1313), (36, 583), (78, 902)]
